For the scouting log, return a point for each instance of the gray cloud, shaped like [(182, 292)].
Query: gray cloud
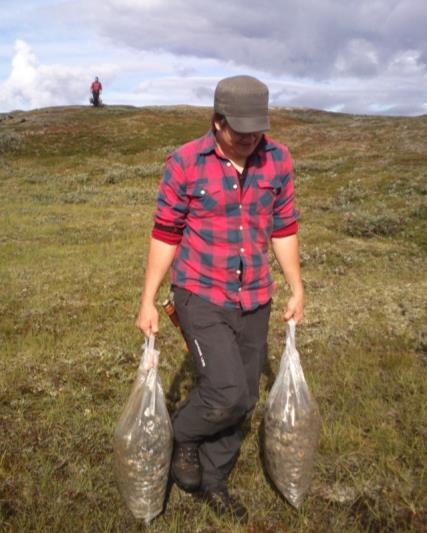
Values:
[(204, 93), (293, 37), (329, 43), (365, 56), (364, 97)]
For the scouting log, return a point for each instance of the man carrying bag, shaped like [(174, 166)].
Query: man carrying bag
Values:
[(223, 198)]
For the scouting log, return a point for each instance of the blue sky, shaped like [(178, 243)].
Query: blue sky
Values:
[(365, 56)]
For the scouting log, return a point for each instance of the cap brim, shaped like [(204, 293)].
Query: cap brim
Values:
[(248, 124)]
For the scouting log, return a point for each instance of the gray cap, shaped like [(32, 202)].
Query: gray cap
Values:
[(243, 100)]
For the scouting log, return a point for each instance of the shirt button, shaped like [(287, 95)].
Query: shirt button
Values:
[(241, 228), (235, 186), (202, 192), (240, 288), (238, 272), (240, 206), (242, 250), (228, 164)]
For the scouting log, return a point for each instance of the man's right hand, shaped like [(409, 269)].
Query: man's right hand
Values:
[(148, 319), (160, 257)]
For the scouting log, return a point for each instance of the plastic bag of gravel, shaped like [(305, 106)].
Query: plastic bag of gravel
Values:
[(291, 426), (142, 441)]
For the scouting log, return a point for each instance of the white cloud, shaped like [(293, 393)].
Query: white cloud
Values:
[(32, 84), (141, 79), (182, 90), (359, 57), (139, 4), (407, 63)]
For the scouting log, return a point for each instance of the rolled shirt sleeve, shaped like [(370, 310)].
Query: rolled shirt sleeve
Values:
[(285, 216), (172, 203)]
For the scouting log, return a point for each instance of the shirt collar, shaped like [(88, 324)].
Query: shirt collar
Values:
[(208, 144)]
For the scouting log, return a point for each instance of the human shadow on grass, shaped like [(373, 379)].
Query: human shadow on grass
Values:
[(184, 380)]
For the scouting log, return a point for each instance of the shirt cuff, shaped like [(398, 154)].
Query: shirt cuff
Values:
[(166, 236), (292, 229)]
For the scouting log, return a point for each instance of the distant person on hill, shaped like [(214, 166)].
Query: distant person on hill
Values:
[(96, 90), (223, 199)]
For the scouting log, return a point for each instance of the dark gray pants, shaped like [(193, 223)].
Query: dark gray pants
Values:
[(229, 347)]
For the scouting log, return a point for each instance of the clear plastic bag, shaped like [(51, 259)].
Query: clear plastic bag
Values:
[(291, 426), (143, 441)]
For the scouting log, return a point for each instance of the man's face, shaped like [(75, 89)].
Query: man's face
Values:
[(236, 145)]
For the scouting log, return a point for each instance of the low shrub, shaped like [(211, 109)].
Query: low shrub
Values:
[(368, 225), (352, 193), (9, 141), (119, 173)]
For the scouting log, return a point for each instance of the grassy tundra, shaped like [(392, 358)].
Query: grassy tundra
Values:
[(78, 187)]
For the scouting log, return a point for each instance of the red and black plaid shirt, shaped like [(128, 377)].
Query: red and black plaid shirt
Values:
[(223, 230)]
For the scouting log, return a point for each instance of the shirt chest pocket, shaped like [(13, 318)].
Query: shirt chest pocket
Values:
[(205, 199), (266, 193)]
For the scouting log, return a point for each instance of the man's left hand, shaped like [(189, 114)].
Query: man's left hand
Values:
[(294, 309)]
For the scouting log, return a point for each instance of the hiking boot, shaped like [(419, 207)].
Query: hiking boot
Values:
[(186, 470), (223, 504)]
